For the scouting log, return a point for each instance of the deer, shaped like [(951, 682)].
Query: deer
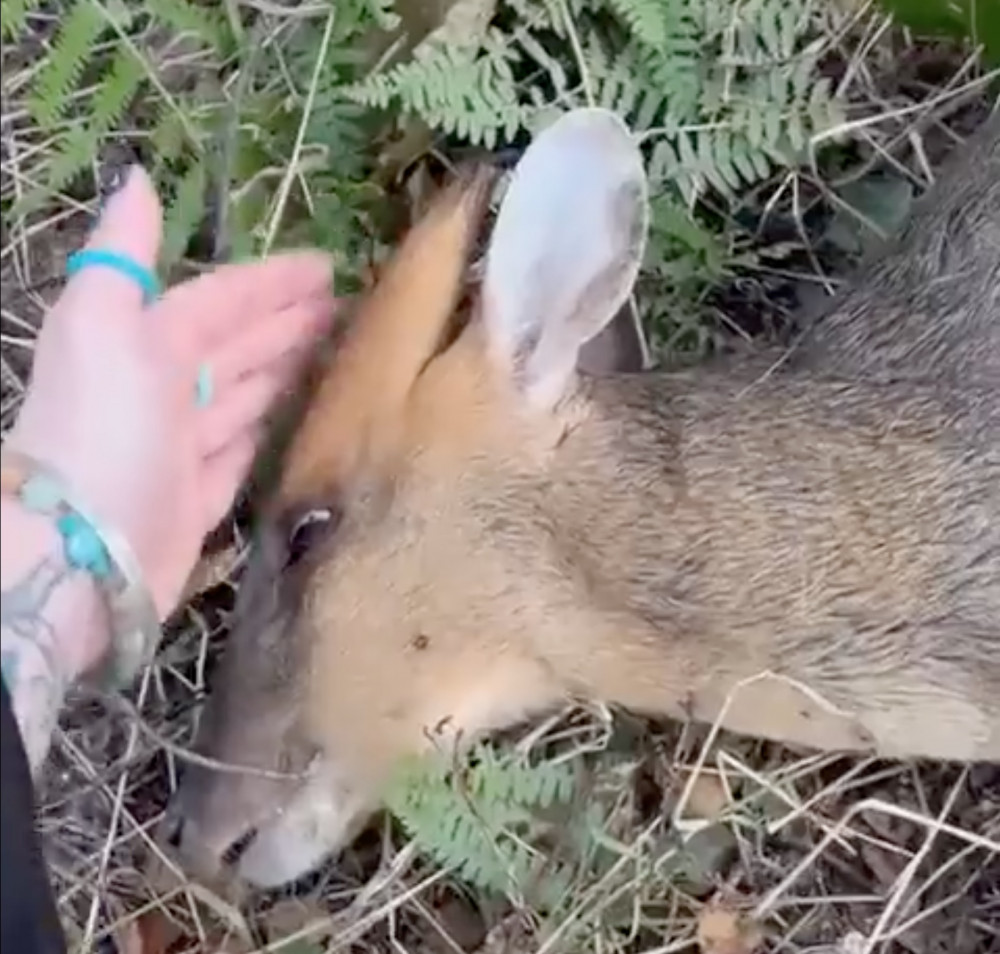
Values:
[(469, 529)]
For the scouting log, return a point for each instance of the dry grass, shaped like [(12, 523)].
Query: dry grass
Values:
[(821, 852)]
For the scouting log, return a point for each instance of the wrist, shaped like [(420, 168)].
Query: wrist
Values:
[(75, 613), (131, 626)]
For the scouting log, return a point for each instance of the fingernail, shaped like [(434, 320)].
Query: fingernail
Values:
[(115, 181), (110, 181)]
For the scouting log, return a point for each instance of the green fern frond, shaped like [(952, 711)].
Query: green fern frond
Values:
[(65, 63), (117, 87), (473, 97), (168, 136), (719, 157), (650, 88), (742, 81), (15, 17), (646, 19), (183, 215), (185, 18), (381, 13), (75, 150), (616, 84), (478, 818), (767, 30), (539, 15), (669, 27)]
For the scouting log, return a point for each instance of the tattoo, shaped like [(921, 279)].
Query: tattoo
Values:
[(30, 668)]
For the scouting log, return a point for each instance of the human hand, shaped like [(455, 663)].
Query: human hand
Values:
[(111, 404)]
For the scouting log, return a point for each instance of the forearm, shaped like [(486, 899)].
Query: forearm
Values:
[(54, 623)]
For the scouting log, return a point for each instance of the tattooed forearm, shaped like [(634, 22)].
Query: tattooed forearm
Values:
[(31, 669)]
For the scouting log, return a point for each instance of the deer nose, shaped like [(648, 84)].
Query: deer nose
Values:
[(196, 854)]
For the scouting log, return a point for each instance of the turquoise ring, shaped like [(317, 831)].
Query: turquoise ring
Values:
[(204, 387), (116, 261)]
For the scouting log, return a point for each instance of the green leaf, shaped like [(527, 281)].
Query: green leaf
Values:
[(15, 17), (56, 80), (183, 214)]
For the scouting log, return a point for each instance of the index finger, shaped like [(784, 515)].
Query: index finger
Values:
[(227, 299)]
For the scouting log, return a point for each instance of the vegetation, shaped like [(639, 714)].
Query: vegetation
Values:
[(259, 134)]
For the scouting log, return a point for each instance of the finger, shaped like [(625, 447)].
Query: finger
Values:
[(225, 472), (131, 225), (271, 339), (220, 303), (242, 405)]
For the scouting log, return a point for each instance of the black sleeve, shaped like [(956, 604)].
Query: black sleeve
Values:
[(27, 907)]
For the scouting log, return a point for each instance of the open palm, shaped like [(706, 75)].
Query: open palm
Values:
[(112, 405)]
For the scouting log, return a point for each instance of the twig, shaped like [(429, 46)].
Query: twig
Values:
[(286, 183)]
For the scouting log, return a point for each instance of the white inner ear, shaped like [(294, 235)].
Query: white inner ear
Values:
[(565, 249)]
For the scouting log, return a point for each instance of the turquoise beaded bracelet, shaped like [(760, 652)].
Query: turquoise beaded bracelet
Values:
[(84, 549), (103, 554)]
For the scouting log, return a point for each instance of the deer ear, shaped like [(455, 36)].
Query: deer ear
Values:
[(565, 249)]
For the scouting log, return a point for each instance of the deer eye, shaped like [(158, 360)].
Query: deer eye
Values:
[(308, 530)]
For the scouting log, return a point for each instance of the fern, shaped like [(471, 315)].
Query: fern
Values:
[(168, 136), (189, 19), (117, 87), (725, 92), (183, 214), (75, 148), (73, 47), (479, 819), (381, 13), (15, 17), (81, 123), (721, 93), (647, 21), (74, 151), (470, 96)]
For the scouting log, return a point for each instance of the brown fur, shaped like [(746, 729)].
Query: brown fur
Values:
[(831, 543), (403, 321)]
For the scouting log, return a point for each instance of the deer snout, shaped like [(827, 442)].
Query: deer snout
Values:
[(205, 855), (320, 820), (216, 812), (219, 828)]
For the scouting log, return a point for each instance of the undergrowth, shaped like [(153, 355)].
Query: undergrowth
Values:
[(482, 816), (264, 132), (553, 832)]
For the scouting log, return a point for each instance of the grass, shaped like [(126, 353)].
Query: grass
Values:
[(708, 841)]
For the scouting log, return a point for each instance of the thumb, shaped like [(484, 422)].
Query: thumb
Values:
[(130, 225)]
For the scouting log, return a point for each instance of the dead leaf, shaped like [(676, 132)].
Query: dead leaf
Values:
[(151, 933), (136, 938), (155, 933), (723, 929), (707, 798), (211, 570)]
